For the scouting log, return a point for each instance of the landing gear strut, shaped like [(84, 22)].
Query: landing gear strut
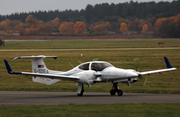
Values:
[(80, 89), (115, 89)]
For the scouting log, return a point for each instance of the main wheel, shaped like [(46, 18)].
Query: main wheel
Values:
[(112, 92), (81, 94), (120, 93)]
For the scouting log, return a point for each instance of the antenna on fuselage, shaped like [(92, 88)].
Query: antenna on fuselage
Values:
[(79, 61), (71, 65)]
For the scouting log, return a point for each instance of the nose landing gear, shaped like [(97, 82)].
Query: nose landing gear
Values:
[(115, 89)]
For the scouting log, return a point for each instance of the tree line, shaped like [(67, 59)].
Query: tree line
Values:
[(163, 27), (105, 12), (95, 21)]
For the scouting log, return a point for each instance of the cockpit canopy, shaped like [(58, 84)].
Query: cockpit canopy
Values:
[(96, 66)]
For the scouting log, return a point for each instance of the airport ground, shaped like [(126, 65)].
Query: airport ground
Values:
[(149, 58)]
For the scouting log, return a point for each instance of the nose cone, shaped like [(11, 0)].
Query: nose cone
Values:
[(131, 74)]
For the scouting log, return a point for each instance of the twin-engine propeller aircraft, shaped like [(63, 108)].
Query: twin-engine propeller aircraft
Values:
[(86, 73)]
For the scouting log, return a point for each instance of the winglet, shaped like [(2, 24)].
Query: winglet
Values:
[(9, 70), (167, 62)]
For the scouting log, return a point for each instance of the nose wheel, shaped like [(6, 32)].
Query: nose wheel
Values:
[(115, 89)]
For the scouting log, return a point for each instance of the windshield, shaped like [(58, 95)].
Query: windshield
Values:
[(100, 66)]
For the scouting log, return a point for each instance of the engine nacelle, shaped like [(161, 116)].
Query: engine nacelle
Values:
[(127, 81)]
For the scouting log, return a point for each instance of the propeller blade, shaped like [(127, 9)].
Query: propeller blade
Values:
[(145, 81), (95, 59), (136, 61)]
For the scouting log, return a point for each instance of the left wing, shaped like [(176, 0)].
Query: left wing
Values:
[(169, 68), (52, 76)]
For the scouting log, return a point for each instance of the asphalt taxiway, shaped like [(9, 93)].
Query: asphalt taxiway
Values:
[(19, 98)]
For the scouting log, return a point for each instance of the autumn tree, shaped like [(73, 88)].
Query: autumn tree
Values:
[(141, 23), (31, 31), (166, 27), (124, 27), (91, 28), (32, 22), (79, 27), (177, 23), (44, 29), (133, 25), (19, 27), (122, 20), (15, 22), (55, 24), (5, 25), (29, 18), (145, 28), (66, 28), (102, 27)]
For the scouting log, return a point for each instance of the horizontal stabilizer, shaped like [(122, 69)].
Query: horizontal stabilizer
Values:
[(40, 56)]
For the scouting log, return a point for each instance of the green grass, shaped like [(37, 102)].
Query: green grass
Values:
[(167, 82), (94, 43), (95, 110)]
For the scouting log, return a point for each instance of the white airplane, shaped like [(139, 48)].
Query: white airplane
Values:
[(86, 73)]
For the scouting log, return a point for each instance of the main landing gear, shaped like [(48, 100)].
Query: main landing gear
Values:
[(80, 89), (115, 89)]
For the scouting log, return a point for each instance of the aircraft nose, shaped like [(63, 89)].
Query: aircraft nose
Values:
[(131, 74)]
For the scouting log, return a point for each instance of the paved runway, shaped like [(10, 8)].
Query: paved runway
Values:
[(18, 98)]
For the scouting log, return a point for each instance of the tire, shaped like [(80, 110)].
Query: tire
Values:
[(112, 92), (120, 93), (81, 94)]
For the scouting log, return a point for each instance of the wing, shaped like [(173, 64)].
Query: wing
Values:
[(169, 68), (156, 71), (52, 76)]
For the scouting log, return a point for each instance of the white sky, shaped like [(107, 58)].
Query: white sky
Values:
[(12, 6)]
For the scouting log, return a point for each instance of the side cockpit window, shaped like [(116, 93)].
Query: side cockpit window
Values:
[(99, 66), (84, 66)]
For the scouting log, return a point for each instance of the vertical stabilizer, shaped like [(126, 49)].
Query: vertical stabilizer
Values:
[(38, 66)]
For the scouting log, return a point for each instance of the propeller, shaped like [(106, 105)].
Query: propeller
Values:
[(95, 59), (144, 79), (136, 64)]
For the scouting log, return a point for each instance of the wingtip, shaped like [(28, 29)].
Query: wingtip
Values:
[(167, 62), (9, 70), (55, 57), (16, 58)]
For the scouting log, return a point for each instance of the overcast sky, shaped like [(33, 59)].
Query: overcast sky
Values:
[(12, 6)]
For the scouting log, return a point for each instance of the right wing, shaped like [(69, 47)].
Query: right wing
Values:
[(169, 68), (52, 76)]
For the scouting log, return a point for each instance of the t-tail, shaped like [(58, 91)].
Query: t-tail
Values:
[(38, 66)]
